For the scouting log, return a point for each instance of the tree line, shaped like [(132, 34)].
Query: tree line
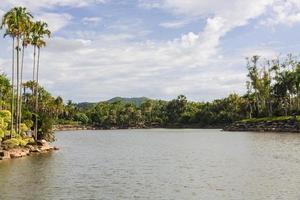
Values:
[(178, 112)]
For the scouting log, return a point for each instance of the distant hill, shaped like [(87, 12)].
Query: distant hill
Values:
[(135, 100), (86, 105)]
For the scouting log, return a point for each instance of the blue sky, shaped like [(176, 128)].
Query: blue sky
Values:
[(160, 49)]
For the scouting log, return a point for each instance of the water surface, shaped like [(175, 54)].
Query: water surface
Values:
[(158, 164)]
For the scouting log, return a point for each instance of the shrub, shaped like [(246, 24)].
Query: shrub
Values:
[(2, 133), (81, 117), (29, 140), (22, 142), (11, 143)]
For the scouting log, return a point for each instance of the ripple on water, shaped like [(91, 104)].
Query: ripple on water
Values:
[(159, 164)]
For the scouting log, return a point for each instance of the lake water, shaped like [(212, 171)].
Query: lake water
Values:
[(158, 164)]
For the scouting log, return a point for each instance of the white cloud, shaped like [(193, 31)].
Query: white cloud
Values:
[(150, 4), (102, 68), (55, 21), (284, 12), (41, 4), (91, 20), (175, 24)]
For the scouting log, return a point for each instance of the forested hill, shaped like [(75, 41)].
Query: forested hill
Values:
[(86, 105), (137, 101)]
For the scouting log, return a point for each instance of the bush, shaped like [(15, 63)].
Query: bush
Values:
[(6, 115), (11, 143), (18, 141), (30, 140), (2, 133), (22, 142), (81, 117)]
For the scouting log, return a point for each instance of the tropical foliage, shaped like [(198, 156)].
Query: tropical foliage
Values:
[(18, 24)]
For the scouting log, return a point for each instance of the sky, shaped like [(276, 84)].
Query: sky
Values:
[(159, 49)]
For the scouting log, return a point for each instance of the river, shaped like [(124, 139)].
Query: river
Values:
[(158, 164)]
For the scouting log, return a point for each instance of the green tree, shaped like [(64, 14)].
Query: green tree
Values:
[(14, 21), (39, 32)]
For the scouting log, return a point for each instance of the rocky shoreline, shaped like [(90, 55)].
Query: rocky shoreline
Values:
[(89, 127), (265, 126), (28, 150), (73, 127)]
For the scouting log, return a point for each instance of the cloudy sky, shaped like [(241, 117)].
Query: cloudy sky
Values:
[(155, 48)]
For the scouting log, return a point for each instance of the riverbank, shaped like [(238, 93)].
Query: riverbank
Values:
[(28, 150), (77, 127), (72, 127), (277, 124)]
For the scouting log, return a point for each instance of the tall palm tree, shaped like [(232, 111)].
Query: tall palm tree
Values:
[(8, 21), (23, 18), (25, 42), (40, 31), (14, 21)]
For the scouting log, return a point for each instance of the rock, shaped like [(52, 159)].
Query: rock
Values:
[(41, 142), (15, 154), (24, 153), (29, 147), (35, 150), (44, 147), (275, 126), (56, 148), (4, 155)]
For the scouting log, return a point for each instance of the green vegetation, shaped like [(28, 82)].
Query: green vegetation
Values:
[(178, 112), (28, 110), (135, 101)]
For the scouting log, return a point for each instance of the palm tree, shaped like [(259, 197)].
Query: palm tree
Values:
[(40, 30), (14, 21), (26, 41), (7, 22), (23, 19)]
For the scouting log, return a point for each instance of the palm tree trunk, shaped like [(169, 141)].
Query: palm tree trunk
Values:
[(21, 82), (12, 88), (37, 93), (33, 71), (18, 84), (297, 98)]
